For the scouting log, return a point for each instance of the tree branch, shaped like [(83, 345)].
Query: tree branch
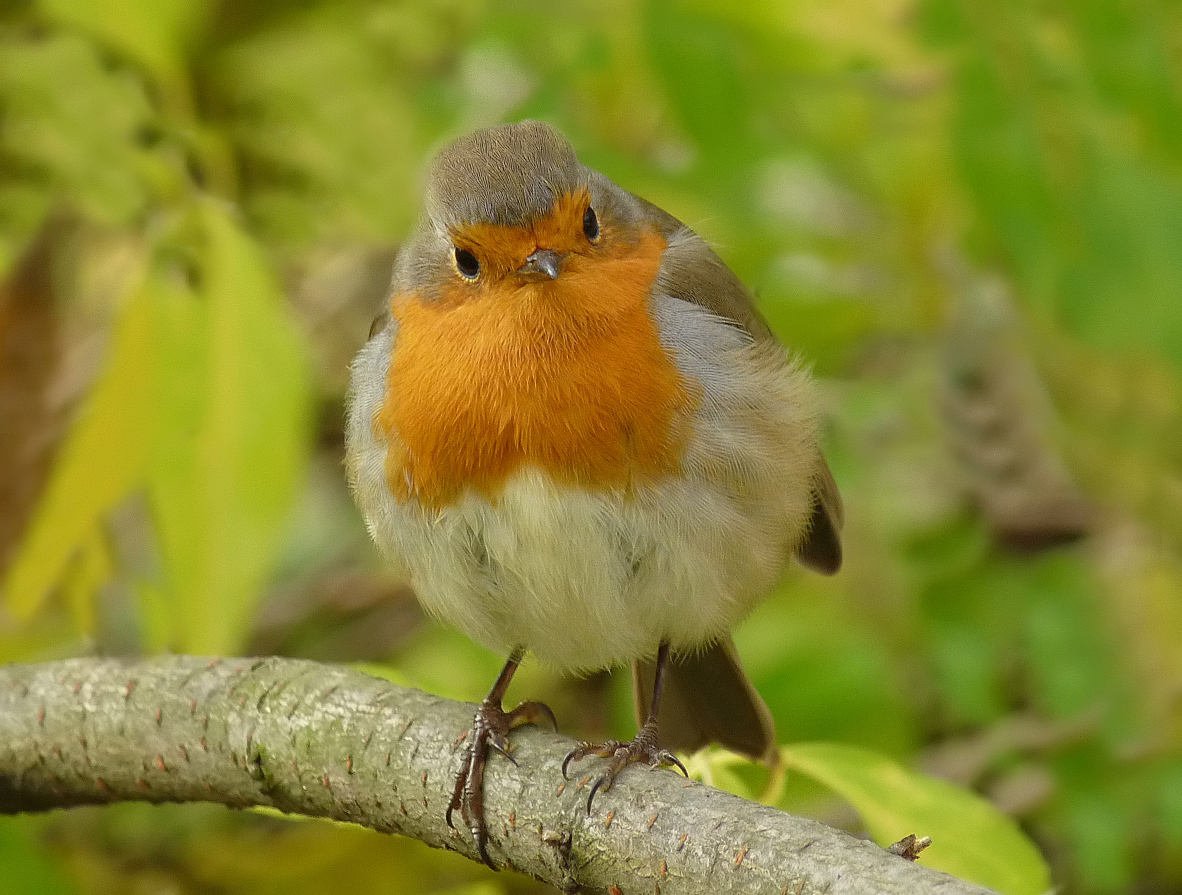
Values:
[(325, 741)]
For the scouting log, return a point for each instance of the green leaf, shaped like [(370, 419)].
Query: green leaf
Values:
[(26, 865), (320, 118), (1082, 216), (735, 773), (807, 655), (233, 437), (155, 33), (104, 458), (205, 404), (90, 571), (970, 838), (700, 66), (72, 130)]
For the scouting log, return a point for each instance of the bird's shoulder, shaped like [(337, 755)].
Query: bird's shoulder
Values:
[(692, 271)]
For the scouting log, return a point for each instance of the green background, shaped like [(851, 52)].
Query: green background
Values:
[(967, 216)]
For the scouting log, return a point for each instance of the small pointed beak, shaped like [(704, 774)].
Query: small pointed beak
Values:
[(544, 261)]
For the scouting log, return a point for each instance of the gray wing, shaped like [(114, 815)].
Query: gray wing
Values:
[(692, 271)]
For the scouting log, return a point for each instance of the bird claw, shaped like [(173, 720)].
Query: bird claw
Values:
[(531, 713), (668, 759), (581, 751), (644, 748), (490, 730)]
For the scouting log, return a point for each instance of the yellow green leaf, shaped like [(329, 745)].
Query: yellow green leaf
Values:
[(157, 620), (90, 571), (232, 443), (104, 457), (970, 838)]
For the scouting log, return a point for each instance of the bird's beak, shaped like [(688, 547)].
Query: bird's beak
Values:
[(545, 262)]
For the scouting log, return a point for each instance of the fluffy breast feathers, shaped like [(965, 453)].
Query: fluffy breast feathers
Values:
[(681, 553)]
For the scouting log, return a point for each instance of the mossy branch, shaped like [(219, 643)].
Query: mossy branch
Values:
[(325, 741)]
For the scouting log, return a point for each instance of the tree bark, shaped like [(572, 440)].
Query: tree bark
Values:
[(326, 741)]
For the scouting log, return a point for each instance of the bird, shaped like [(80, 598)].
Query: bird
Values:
[(577, 438)]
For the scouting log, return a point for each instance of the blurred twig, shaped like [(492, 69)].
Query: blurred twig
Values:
[(327, 742), (998, 417)]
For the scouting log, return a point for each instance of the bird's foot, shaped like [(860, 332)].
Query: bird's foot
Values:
[(490, 730), (643, 748)]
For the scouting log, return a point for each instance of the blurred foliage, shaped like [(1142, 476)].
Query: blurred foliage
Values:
[(965, 215), (890, 799)]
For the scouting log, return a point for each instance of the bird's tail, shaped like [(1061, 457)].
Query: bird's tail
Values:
[(707, 699)]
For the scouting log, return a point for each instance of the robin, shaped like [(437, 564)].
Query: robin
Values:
[(576, 436)]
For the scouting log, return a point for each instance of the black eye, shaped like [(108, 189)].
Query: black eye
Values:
[(467, 264), (590, 224)]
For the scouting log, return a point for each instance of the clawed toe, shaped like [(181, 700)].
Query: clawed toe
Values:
[(643, 749), (490, 731), (585, 750), (532, 713), (668, 759)]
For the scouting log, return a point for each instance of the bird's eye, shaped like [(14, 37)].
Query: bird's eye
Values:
[(467, 264), (590, 224)]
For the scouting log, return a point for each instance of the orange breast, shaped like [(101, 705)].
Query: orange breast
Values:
[(568, 375)]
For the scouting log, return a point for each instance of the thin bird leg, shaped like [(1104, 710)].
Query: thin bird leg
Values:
[(644, 747), (490, 729)]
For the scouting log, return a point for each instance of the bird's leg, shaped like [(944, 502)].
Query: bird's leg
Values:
[(490, 729), (643, 748)]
